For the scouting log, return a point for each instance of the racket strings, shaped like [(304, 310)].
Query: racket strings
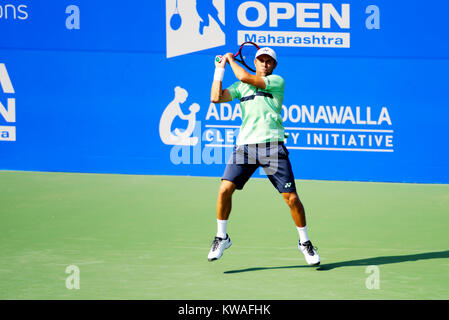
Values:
[(246, 55)]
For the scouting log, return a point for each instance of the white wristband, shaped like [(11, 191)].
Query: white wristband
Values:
[(219, 73)]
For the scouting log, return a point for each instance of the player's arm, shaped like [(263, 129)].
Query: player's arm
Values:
[(243, 75), (217, 94)]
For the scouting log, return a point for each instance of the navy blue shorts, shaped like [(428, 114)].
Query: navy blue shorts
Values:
[(273, 158)]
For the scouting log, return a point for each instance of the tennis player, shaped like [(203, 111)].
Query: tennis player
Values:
[(259, 144)]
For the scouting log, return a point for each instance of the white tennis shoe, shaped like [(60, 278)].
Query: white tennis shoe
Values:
[(218, 246), (309, 252)]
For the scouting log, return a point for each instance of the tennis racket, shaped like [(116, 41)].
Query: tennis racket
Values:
[(245, 55)]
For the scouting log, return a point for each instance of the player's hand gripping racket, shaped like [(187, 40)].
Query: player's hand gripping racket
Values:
[(245, 55)]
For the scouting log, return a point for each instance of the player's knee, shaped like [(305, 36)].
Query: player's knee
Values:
[(291, 198), (226, 189)]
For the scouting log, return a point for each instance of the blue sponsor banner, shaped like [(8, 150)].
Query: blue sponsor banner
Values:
[(380, 28), (124, 88)]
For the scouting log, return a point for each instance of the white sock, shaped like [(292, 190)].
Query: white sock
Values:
[(221, 228), (302, 234)]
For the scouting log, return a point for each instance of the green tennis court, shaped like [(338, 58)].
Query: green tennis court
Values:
[(147, 237)]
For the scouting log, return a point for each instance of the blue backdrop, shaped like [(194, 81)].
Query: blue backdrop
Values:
[(95, 86)]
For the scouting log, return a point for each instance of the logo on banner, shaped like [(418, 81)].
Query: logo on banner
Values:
[(211, 138), (182, 137), (297, 19), (8, 110), (308, 127), (194, 25)]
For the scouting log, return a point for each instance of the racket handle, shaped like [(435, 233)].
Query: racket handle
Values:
[(218, 58)]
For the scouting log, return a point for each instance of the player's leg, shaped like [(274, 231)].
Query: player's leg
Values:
[(236, 174), (299, 217), (296, 208), (281, 176), (224, 205), (224, 199), (222, 241)]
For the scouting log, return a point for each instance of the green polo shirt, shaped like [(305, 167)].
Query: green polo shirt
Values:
[(261, 110)]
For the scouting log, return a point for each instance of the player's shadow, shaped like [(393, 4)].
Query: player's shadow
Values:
[(360, 262)]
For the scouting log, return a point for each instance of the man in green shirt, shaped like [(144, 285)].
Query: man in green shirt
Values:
[(259, 144)]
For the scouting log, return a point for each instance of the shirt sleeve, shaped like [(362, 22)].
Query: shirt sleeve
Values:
[(274, 83), (234, 90)]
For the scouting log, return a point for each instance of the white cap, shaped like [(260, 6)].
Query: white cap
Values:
[(267, 51)]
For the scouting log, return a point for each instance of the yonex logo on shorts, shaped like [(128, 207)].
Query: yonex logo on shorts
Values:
[(288, 185)]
